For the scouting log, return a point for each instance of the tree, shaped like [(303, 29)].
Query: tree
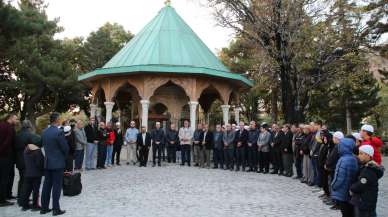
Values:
[(244, 57), (42, 75), (305, 45), (100, 46)]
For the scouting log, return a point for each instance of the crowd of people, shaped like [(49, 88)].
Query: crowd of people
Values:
[(345, 168)]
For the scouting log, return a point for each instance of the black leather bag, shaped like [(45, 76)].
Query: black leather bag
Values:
[(72, 185)]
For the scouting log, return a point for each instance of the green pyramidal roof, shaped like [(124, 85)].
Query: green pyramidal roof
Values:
[(166, 44)]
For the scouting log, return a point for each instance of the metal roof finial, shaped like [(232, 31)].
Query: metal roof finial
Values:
[(167, 2)]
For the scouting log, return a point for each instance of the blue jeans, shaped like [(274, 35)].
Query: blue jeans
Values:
[(90, 149), (79, 159), (109, 151), (52, 183)]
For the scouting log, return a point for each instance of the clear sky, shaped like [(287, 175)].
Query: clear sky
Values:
[(80, 17)]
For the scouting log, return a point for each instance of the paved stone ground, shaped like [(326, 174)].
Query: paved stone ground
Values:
[(176, 191)]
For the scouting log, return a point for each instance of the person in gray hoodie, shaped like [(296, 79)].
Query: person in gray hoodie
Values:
[(229, 139), (263, 145), (80, 143)]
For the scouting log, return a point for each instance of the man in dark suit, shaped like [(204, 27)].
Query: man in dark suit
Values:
[(276, 150), (241, 144), (207, 146), (56, 150), (143, 143), (118, 143), (157, 143)]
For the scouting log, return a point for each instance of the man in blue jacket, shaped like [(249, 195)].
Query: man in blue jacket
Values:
[(56, 150), (345, 174)]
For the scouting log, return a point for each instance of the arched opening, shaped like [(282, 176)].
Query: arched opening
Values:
[(173, 97), (99, 99), (210, 102), (126, 101)]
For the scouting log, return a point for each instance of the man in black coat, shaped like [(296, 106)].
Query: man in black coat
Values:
[(207, 146), (143, 144), (197, 144), (91, 137), (286, 150), (158, 139), (241, 144), (276, 150), (253, 136), (102, 136), (172, 140), (56, 151), (7, 134), (218, 148), (118, 144)]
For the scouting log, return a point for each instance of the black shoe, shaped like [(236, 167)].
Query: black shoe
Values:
[(36, 208), (11, 198), (6, 203), (58, 212), (118, 164), (159, 165), (44, 211), (259, 171), (335, 207), (153, 165), (274, 172), (25, 208), (265, 172), (127, 163)]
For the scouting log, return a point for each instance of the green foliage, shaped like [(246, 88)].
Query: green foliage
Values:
[(38, 73), (101, 45)]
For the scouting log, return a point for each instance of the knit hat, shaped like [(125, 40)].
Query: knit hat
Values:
[(357, 136), (368, 128), (367, 149), (66, 130), (338, 135)]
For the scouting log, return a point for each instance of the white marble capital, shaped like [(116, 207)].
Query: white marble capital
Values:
[(108, 110), (225, 113), (145, 104), (193, 114), (93, 110)]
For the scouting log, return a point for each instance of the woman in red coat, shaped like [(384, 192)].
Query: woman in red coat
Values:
[(368, 139)]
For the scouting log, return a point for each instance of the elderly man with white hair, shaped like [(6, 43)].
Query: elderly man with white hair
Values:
[(130, 143)]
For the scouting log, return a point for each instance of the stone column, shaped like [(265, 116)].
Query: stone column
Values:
[(108, 110), (93, 110), (144, 109), (225, 113), (98, 113), (119, 113), (193, 114), (237, 115)]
